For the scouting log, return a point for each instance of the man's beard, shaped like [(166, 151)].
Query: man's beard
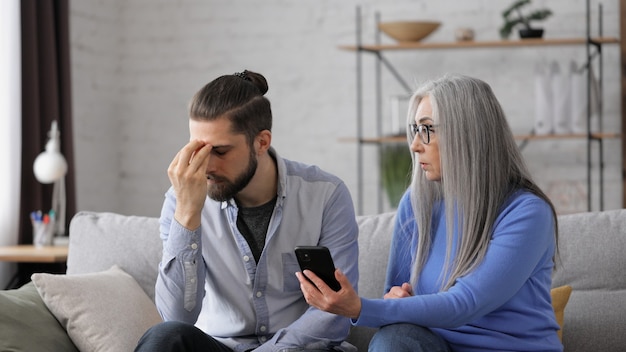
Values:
[(226, 190)]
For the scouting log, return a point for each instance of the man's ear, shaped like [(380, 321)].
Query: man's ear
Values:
[(264, 140)]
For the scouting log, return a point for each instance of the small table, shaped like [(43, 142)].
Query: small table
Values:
[(29, 253)]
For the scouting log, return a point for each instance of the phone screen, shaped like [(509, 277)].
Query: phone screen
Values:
[(318, 260)]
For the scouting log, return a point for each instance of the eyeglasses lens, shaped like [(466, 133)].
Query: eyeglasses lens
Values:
[(422, 130)]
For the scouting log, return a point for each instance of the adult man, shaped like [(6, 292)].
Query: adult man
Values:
[(228, 261)]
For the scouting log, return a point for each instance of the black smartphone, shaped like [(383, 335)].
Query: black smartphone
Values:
[(318, 260)]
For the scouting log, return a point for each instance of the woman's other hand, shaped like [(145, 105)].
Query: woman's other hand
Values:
[(400, 291)]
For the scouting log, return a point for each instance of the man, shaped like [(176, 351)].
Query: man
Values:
[(228, 264)]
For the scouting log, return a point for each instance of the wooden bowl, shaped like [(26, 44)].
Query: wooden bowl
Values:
[(408, 31)]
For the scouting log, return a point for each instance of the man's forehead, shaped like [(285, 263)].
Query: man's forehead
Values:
[(215, 132)]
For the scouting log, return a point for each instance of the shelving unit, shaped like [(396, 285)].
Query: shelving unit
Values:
[(594, 52)]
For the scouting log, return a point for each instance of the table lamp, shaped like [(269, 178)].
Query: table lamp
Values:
[(50, 167)]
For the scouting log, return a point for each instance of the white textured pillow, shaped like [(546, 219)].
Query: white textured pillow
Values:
[(104, 311)]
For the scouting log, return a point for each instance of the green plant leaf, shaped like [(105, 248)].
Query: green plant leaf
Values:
[(395, 170), (516, 5), (539, 15), (507, 28), (512, 22)]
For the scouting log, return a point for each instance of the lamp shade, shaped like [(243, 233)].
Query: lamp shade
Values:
[(50, 165)]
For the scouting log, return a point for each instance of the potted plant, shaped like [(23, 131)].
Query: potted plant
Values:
[(513, 17), (395, 165)]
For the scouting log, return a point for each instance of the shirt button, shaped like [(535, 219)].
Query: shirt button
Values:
[(259, 294), (262, 338), (263, 328), (194, 246), (193, 280), (246, 258)]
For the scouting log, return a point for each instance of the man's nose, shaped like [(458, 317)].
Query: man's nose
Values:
[(211, 166)]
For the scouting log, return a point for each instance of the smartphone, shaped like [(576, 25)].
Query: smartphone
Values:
[(318, 260)]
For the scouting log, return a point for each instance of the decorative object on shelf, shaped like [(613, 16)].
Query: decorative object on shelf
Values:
[(580, 101), (514, 17), (50, 167), (464, 34), (408, 31), (543, 121), (399, 106), (562, 99), (395, 170)]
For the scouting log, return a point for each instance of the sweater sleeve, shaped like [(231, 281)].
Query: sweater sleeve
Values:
[(523, 237), (400, 255)]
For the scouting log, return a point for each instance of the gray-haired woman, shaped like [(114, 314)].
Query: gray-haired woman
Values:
[(474, 241)]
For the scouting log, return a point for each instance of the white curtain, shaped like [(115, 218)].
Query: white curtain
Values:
[(10, 128)]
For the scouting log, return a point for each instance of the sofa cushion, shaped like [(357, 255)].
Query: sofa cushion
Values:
[(375, 234), (591, 247), (101, 240), (591, 259), (26, 324), (374, 242), (104, 311)]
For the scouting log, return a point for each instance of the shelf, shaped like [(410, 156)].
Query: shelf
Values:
[(402, 139), (480, 44), (593, 46)]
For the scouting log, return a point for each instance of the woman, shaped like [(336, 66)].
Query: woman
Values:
[(480, 278)]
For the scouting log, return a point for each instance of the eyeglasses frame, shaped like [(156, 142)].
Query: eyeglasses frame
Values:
[(416, 129)]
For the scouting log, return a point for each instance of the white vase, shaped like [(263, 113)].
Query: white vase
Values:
[(562, 99), (543, 99)]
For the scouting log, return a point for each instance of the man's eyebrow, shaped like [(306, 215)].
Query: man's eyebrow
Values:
[(225, 146)]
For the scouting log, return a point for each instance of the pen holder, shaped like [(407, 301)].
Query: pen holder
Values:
[(43, 234)]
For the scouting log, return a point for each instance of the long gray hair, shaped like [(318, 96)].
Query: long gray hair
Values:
[(481, 165)]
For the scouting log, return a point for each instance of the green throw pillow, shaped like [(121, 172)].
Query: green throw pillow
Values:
[(26, 324)]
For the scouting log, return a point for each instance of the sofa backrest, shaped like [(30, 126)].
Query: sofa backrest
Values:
[(374, 242), (100, 240), (592, 259)]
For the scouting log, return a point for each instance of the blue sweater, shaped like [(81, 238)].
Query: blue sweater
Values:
[(503, 305)]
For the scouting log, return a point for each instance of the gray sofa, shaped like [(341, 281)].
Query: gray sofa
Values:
[(592, 260)]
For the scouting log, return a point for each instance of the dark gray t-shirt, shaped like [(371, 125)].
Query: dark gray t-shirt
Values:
[(252, 223)]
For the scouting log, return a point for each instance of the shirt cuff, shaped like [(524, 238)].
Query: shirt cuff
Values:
[(182, 241)]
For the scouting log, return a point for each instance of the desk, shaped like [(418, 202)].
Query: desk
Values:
[(31, 254)]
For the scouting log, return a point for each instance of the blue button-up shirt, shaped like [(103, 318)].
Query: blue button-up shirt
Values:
[(209, 276)]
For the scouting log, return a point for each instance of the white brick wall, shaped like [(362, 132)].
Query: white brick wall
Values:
[(136, 64)]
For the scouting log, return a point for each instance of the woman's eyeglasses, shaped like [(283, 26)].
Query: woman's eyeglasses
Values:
[(423, 130)]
